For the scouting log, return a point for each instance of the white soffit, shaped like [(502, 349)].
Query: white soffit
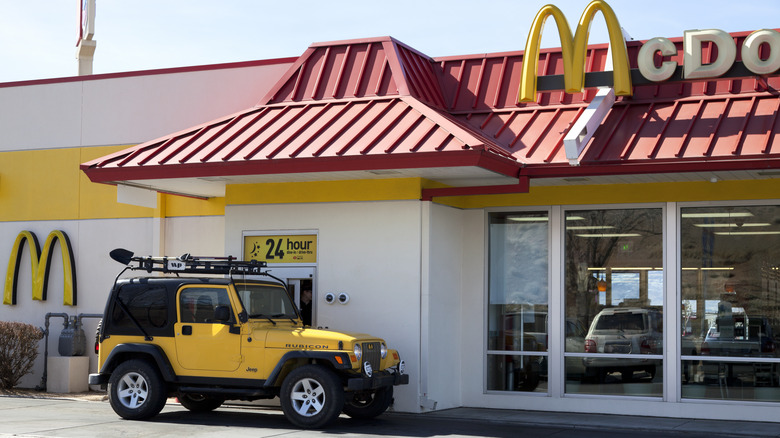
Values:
[(136, 196)]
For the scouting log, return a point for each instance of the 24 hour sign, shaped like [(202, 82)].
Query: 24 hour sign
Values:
[(298, 248)]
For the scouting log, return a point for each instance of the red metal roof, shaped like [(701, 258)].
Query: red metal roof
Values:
[(378, 104), (667, 127)]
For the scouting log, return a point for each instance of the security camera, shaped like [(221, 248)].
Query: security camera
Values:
[(330, 298), (343, 298)]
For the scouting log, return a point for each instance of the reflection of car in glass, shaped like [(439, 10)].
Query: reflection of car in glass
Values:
[(727, 337), (745, 336), (620, 330)]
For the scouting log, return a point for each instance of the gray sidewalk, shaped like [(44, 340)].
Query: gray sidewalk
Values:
[(612, 422)]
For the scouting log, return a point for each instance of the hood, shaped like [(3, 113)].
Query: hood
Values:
[(313, 339)]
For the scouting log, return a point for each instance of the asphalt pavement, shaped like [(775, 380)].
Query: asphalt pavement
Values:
[(24, 416)]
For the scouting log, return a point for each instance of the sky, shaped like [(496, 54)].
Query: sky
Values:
[(38, 37)]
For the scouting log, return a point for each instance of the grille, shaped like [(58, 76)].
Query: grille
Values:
[(372, 354)]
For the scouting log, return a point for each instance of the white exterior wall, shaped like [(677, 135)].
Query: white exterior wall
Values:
[(126, 109), (199, 236), (441, 339), (370, 250)]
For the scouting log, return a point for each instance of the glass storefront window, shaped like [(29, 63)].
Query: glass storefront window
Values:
[(518, 302), (614, 289), (730, 302)]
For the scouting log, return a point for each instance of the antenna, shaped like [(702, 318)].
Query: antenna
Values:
[(86, 45)]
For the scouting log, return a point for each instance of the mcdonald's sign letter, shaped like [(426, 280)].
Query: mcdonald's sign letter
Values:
[(41, 262), (574, 51)]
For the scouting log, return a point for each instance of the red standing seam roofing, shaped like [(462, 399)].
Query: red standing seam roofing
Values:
[(379, 104)]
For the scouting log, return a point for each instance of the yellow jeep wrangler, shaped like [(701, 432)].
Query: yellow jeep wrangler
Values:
[(236, 335)]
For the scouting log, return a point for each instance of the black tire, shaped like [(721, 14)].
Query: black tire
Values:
[(368, 404), (200, 402), (311, 396), (136, 390)]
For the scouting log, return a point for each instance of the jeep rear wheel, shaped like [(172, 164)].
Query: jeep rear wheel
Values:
[(136, 391), (368, 404), (200, 402), (311, 396)]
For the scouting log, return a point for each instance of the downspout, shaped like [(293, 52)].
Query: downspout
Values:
[(158, 224), (424, 402)]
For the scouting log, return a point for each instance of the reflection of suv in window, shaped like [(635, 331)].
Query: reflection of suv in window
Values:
[(620, 330), (205, 339)]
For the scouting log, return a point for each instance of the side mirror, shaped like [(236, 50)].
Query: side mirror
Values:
[(222, 314)]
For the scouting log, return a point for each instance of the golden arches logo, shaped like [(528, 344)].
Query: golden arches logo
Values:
[(574, 50), (40, 263)]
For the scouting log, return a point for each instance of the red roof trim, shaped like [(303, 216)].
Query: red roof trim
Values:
[(346, 163), (714, 164), (159, 71)]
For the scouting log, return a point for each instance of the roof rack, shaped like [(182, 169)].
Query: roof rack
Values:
[(188, 264)]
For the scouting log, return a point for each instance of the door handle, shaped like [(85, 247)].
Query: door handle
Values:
[(186, 330)]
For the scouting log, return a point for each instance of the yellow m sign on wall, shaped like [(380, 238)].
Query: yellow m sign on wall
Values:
[(41, 262), (574, 50)]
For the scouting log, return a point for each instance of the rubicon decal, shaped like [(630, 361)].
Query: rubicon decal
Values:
[(307, 346)]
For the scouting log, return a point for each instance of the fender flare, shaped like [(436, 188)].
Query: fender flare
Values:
[(343, 364), (150, 350)]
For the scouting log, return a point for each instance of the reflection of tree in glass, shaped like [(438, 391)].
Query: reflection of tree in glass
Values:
[(592, 237)]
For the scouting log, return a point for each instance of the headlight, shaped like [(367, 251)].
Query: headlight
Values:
[(358, 350), (383, 350)]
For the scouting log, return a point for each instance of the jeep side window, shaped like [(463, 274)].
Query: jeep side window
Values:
[(197, 305), (147, 305)]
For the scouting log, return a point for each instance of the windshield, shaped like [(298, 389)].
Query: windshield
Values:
[(264, 300)]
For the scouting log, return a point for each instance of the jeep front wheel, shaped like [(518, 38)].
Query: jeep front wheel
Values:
[(311, 396), (200, 402), (136, 391), (368, 404)]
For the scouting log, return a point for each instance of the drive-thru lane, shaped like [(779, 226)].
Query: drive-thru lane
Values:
[(47, 417)]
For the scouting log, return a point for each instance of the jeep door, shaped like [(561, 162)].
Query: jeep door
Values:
[(202, 343)]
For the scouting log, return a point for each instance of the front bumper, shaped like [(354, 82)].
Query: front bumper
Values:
[(377, 381)]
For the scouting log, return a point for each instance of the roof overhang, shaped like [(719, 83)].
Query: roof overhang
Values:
[(471, 167)]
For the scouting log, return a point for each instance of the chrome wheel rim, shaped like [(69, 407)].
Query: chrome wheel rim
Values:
[(132, 390), (308, 397)]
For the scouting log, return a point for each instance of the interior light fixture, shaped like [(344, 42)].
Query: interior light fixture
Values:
[(723, 268), (575, 218), (718, 214), (610, 235), (637, 268), (591, 227), (746, 233), (527, 219), (745, 225)]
